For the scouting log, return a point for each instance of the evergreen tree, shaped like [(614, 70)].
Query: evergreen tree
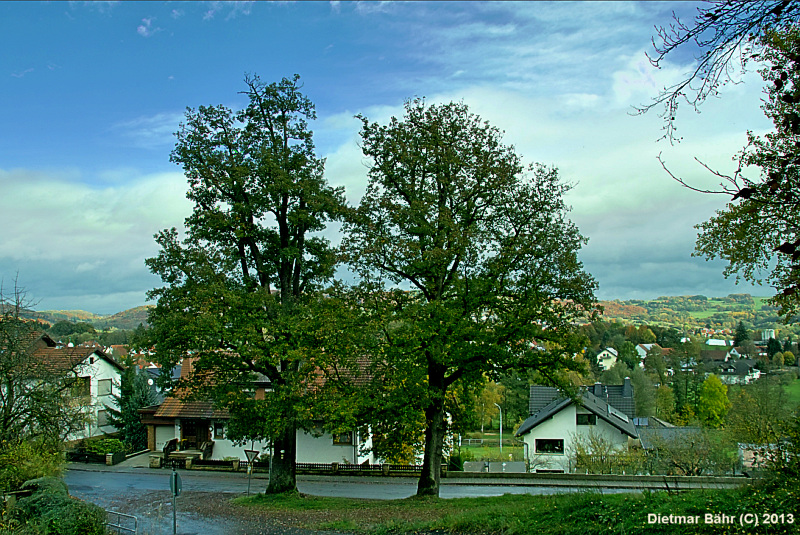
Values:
[(135, 393), (741, 335), (773, 346)]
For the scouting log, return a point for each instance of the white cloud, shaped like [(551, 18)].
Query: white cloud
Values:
[(151, 131), (67, 238), (145, 29), (21, 74)]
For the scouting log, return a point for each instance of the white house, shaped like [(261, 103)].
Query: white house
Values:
[(607, 358), (735, 371), (96, 380), (556, 421), (198, 425)]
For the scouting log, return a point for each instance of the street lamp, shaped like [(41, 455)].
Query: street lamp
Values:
[(501, 427)]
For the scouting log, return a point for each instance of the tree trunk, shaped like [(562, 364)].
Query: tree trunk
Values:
[(283, 476), (434, 441)]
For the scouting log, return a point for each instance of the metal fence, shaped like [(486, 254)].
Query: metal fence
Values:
[(121, 523), (357, 468)]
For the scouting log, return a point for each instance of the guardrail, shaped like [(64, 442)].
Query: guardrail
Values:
[(120, 518)]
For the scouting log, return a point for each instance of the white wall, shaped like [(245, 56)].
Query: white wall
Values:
[(562, 426), (163, 435), (97, 369), (321, 449), (310, 449)]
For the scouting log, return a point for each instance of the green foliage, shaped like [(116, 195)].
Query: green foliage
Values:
[(713, 403), (784, 462), (50, 510), (102, 446), (577, 513), (516, 395), (628, 354), (242, 291), (758, 232), (66, 328), (665, 403), (486, 248), (759, 412), (135, 393), (23, 460), (742, 335)]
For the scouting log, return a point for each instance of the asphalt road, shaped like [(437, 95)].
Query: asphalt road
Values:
[(204, 506), (94, 485)]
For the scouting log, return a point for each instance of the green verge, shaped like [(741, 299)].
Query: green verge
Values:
[(793, 391), (574, 513)]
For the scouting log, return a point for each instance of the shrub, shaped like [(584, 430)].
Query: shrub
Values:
[(21, 461), (50, 510), (101, 446)]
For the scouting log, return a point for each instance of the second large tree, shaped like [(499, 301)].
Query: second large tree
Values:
[(474, 257)]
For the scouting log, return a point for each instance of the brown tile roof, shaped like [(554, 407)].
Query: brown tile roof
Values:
[(359, 378), (65, 359), (178, 408), (175, 407)]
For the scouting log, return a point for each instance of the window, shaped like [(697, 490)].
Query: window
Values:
[(343, 439), (102, 418), (549, 445), (219, 430), (104, 387), (80, 387), (586, 419)]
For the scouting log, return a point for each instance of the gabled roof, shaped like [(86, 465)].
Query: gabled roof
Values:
[(58, 359), (740, 367), (714, 354), (594, 404)]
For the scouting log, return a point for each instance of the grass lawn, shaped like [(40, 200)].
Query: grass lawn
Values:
[(702, 314), (490, 449), (584, 513), (793, 390)]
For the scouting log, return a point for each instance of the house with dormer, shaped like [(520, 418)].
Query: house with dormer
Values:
[(556, 421)]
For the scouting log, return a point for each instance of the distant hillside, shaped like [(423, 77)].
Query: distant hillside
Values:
[(127, 319), (692, 313), (68, 315)]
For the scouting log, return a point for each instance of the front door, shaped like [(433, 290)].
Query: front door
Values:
[(194, 433)]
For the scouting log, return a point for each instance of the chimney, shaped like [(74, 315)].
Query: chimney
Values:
[(627, 388), (599, 390)]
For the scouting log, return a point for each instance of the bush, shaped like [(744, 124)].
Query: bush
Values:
[(50, 510), (102, 446), (21, 461)]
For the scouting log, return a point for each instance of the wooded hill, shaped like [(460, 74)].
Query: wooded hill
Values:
[(127, 319), (693, 313)]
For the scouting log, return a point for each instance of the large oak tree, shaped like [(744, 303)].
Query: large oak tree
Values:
[(239, 287), (470, 258)]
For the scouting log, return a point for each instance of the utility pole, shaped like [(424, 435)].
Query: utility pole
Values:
[(501, 427)]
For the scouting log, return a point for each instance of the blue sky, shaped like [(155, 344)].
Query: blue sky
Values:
[(93, 91)]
